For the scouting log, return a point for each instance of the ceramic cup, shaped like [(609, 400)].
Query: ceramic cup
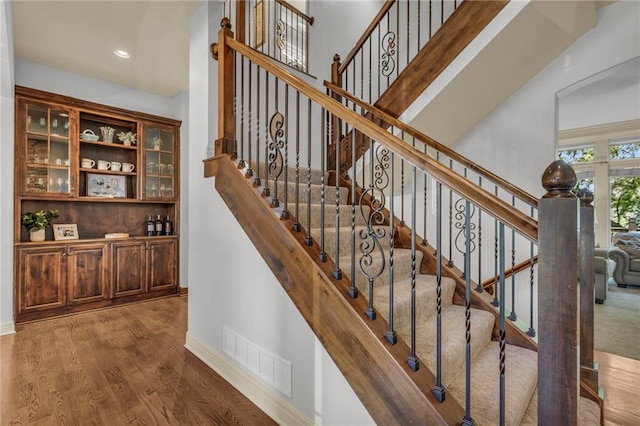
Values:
[(87, 163), (104, 165), (116, 166), (128, 167)]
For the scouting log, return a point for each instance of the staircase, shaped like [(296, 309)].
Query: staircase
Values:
[(435, 351), (521, 365)]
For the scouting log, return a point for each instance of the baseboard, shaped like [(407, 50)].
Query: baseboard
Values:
[(7, 328), (268, 400), (183, 291)]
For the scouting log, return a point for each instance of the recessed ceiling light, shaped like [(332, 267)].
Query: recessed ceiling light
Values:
[(121, 54)]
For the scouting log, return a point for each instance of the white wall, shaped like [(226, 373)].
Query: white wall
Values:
[(518, 140), (229, 282), (6, 168)]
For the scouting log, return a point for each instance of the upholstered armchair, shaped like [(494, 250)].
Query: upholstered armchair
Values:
[(626, 254), (603, 269)]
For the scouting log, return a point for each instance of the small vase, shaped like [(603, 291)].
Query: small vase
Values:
[(37, 235)]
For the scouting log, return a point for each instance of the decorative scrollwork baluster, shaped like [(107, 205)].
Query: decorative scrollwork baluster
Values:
[(388, 47), (275, 158), (460, 243)]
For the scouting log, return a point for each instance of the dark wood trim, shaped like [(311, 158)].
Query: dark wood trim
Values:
[(183, 291), (337, 320)]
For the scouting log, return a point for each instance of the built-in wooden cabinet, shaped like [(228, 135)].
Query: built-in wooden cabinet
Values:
[(74, 156)]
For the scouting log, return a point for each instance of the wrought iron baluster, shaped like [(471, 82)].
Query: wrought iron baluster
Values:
[(258, 180), (502, 330), (391, 333), (532, 330), (439, 390), (468, 420), (479, 288), (353, 290), (513, 316), (450, 263), (424, 195), (241, 162), (308, 240), (249, 172), (296, 226), (275, 158), (413, 361), (266, 191), (496, 293), (337, 273), (285, 211), (325, 126)]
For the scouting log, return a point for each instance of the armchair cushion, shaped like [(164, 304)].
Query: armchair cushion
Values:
[(626, 254)]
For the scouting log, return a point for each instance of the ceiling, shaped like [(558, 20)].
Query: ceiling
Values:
[(80, 37)]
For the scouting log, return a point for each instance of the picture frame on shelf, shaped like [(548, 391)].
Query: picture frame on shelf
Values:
[(65, 231), (106, 185)]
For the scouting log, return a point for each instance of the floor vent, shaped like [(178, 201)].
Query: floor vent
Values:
[(268, 366)]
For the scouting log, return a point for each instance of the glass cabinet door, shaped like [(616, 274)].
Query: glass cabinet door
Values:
[(47, 150), (160, 162)]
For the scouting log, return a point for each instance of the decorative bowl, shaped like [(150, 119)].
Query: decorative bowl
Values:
[(88, 135)]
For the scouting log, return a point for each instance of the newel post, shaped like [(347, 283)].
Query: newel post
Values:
[(225, 144), (558, 292), (588, 369), (336, 78)]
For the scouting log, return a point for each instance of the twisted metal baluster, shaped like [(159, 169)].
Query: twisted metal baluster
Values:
[(258, 182), (413, 361), (353, 290), (249, 172), (439, 390), (285, 211), (450, 263), (241, 163), (308, 240), (424, 195), (468, 420), (324, 120), (337, 273), (391, 333), (479, 288), (502, 330), (513, 316), (496, 300), (296, 226), (266, 191), (532, 331)]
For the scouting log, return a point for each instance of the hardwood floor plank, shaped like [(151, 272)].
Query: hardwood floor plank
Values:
[(620, 378), (123, 365)]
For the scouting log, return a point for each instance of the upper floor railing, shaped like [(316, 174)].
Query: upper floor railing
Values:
[(273, 27)]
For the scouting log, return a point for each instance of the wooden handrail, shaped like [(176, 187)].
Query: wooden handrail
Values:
[(511, 271), (297, 11), (365, 35), (509, 187), (499, 209)]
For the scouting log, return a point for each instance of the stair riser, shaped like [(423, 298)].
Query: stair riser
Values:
[(330, 215)]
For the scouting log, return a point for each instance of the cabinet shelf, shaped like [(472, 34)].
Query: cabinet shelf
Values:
[(108, 172), (113, 145)]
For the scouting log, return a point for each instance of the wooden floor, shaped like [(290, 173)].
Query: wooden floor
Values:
[(125, 365), (620, 378), (128, 365)]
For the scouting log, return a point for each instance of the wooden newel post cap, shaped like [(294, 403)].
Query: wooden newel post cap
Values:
[(225, 23), (585, 196), (559, 179), (336, 58), (214, 50)]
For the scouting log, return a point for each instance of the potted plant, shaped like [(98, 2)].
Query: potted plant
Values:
[(37, 222)]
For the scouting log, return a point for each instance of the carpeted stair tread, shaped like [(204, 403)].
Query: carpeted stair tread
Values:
[(303, 171), (426, 297), (344, 234), (521, 376), (330, 215), (401, 267), (316, 193), (453, 339)]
